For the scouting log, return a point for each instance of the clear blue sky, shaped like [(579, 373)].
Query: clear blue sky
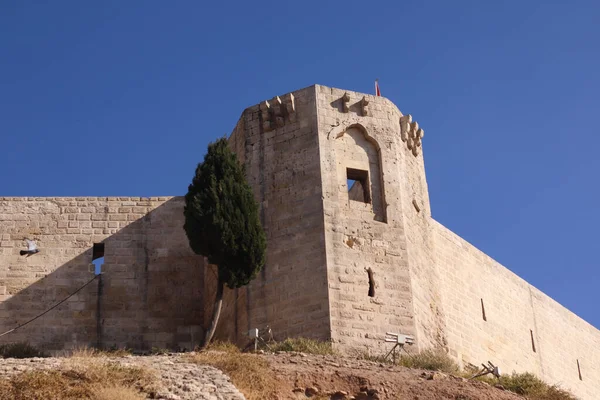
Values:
[(122, 98)]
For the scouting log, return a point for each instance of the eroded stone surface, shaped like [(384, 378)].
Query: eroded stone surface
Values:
[(178, 379)]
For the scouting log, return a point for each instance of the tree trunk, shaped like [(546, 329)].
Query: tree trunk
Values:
[(216, 314)]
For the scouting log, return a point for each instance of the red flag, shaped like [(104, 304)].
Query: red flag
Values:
[(377, 91)]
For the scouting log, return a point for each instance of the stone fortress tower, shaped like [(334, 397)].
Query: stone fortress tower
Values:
[(352, 253), (301, 151)]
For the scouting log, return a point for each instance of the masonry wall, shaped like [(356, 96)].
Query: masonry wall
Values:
[(151, 292), (277, 141), (363, 235), (415, 208), (429, 282), (514, 311)]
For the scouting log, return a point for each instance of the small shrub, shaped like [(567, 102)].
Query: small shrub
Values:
[(159, 351), (529, 385), (556, 393), (248, 372), (434, 360), (303, 345), (431, 359), (20, 350), (524, 383)]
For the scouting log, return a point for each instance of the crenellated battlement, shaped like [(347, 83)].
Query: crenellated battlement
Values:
[(277, 112)]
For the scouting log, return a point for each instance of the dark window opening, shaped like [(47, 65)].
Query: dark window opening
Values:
[(98, 257), (98, 251), (532, 340), (483, 311), (371, 282), (579, 370), (358, 185)]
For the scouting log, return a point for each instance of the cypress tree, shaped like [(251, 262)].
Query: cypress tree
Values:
[(222, 222)]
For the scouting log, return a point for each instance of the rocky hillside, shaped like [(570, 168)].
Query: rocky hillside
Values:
[(289, 375)]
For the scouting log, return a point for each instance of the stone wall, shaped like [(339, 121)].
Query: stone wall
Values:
[(358, 134), (151, 282), (523, 330), (277, 141)]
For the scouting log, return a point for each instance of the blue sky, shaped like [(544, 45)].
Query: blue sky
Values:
[(122, 98)]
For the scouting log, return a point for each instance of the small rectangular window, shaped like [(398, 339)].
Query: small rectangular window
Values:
[(579, 370), (98, 251), (532, 340), (98, 257), (358, 185)]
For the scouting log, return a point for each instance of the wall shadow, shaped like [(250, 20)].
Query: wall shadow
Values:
[(149, 294)]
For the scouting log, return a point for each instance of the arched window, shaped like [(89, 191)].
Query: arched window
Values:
[(359, 171)]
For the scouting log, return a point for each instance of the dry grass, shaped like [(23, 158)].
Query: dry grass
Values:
[(303, 345), (88, 352), (248, 372), (227, 347), (120, 393), (82, 379), (432, 359), (5, 387)]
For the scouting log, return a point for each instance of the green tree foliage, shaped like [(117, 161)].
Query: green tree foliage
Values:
[(222, 222)]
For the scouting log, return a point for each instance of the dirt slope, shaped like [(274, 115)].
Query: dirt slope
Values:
[(370, 380)]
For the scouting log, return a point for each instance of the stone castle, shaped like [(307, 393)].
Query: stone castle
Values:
[(352, 253)]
